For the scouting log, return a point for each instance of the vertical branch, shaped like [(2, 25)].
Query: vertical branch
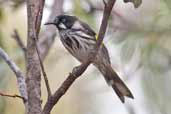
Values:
[(33, 79), (39, 16), (106, 13), (34, 11), (37, 26), (43, 71)]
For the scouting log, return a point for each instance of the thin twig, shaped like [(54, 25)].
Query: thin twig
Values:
[(79, 70), (39, 16), (37, 27), (19, 41), (43, 71), (13, 96)]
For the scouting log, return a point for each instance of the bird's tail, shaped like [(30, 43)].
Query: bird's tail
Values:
[(117, 84)]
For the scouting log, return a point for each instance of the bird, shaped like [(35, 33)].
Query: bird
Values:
[(80, 40)]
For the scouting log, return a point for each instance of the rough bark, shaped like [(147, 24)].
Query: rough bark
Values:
[(33, 73), (34, 12)]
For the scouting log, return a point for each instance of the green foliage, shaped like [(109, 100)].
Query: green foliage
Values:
[(168, 3)]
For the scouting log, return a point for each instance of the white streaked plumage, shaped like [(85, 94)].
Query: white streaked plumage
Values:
[(77, 25)]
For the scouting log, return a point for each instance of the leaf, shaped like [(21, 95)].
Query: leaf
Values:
[(136, 3)]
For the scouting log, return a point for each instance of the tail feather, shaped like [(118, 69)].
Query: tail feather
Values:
[(119, 93), (122, 90), (117, 84)]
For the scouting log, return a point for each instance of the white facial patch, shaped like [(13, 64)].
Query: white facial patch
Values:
[(62, 26), (77, 25)]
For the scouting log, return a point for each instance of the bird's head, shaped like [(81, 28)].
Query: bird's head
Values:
[(66, 22), (63, 22)]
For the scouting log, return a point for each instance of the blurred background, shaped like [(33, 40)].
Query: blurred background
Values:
[(139, 43)]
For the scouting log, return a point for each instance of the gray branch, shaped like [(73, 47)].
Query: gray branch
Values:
[(19, 75)]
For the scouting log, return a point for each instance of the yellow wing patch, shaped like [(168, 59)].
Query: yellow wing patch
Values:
[(96, 36)]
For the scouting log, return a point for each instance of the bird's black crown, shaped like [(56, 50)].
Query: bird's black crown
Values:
[(63, 21)]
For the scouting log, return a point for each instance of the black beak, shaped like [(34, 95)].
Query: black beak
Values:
[(54, 22), (50, 23)]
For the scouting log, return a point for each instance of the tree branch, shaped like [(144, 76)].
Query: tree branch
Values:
[(38, 23), (43, 71), (42, 54), (39, 16), (45, 41), (13, 96), (79, 70), (19, 75), (19, 41), (33, 79)]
